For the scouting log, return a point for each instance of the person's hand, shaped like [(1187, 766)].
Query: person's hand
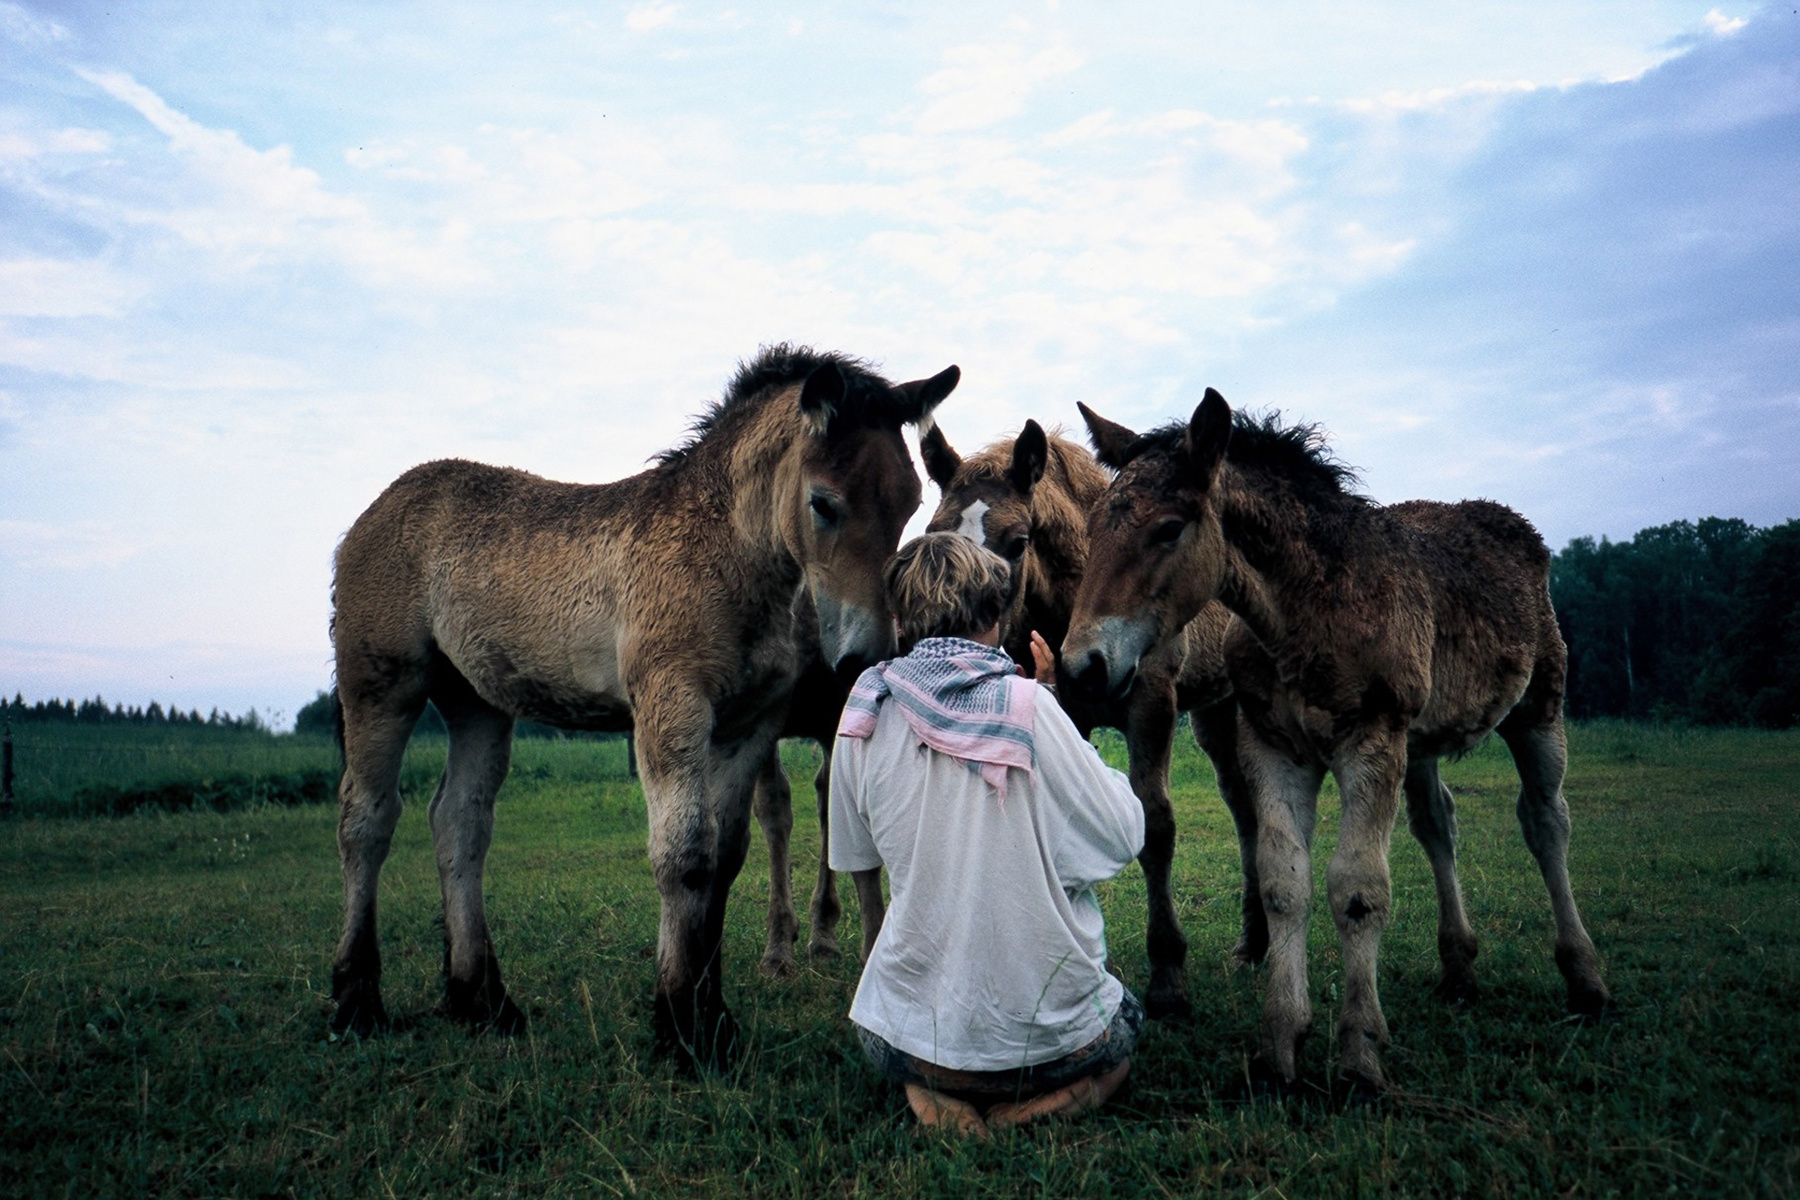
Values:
[(1044, 659)]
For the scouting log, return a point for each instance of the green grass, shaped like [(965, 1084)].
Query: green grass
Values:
[(164, 992)]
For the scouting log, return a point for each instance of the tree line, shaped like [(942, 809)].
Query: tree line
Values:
[(1692, 621), (98, 712)]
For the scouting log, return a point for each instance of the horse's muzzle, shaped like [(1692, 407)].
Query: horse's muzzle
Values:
[(1091, 681)]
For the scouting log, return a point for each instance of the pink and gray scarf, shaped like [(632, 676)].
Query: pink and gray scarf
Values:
[(961, 698)]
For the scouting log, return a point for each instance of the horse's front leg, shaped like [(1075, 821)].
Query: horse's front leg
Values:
[(1360, 891), (1285, 794), (693, 861), (826, 908), (774, 805), (873, 906), (1216, 730), (1149, 737)]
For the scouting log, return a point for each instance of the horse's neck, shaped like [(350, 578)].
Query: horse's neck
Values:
[(746, 485), (1274, 560)]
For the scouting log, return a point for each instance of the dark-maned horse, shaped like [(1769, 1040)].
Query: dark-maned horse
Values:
[(663, 600), (1027, 500), (1370, 642)]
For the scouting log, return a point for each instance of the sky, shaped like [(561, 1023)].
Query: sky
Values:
[(257, 259)]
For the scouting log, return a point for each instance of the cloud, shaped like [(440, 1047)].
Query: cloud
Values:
[(44, 287), (36, 545), (981, 86), (646, 17), (1720, 25), (1607, 308), (251, 207), (26, 28)]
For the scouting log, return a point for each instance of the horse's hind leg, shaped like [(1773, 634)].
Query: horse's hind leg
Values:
[(377, 722), (1216, 730), (1540, 752), (826, 908), (774, 806), (462, 828), (1431, 814)]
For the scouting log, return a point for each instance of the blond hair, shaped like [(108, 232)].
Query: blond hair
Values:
[(944, 585)]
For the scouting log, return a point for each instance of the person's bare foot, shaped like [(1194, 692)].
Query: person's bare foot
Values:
[(935, 1110), (1084, 1095)]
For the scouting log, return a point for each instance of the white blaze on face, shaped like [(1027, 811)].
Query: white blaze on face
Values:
[(971, 526)]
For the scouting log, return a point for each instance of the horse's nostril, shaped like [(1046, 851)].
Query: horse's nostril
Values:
[(1088, 677)]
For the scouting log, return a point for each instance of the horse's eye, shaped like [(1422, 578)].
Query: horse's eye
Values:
[(824, 510), (1167, 533), (1015, 549)]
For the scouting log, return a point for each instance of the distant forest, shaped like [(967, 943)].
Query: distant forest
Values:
[(1690, 622), (1696, 622), (98, 712)]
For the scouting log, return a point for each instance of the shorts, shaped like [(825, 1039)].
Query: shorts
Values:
[(1112, 1047)]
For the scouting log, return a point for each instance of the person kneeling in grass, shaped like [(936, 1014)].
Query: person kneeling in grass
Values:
[(986, 992)]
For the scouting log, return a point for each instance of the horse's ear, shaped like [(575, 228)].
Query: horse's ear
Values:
[(821, 395), (1112, 441), (1208, 433), (941, 459), (1030, 452), (923, 395)]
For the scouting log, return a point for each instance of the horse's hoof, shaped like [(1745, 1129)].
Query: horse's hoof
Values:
[(1353, 1089), (1168, 1006), (1250, 952), (360, 1013), (1458, 989), (778, 966), (1266, 1084), (508, 1020), (712, 1044), (822, 949), (484, 1008), (1593, 1007)]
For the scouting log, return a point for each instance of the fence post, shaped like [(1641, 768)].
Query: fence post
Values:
[(7, 806)]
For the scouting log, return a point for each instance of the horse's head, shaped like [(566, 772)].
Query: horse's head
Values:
[(852, 491), (987, 498), (1156, 546)]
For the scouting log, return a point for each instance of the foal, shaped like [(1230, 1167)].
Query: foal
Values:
[(1370, 642), (664, 602), (1027, 500)]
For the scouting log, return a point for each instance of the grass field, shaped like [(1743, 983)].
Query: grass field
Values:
[(164, 992)]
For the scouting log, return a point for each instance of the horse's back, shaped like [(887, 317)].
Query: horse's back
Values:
[(1496, 640), (509, 577)]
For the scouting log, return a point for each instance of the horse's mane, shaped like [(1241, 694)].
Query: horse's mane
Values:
[(869, 399), (1298, 453)]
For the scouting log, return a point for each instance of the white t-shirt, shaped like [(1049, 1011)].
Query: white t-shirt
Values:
[(993, 952)]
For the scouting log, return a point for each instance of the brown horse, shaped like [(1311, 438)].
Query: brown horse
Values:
[(662, 601), (1027, 500), (1370, 642)]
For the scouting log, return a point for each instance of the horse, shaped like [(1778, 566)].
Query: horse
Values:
[(662, 602), (1370, 641), (813, 712), (1027, 500)]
